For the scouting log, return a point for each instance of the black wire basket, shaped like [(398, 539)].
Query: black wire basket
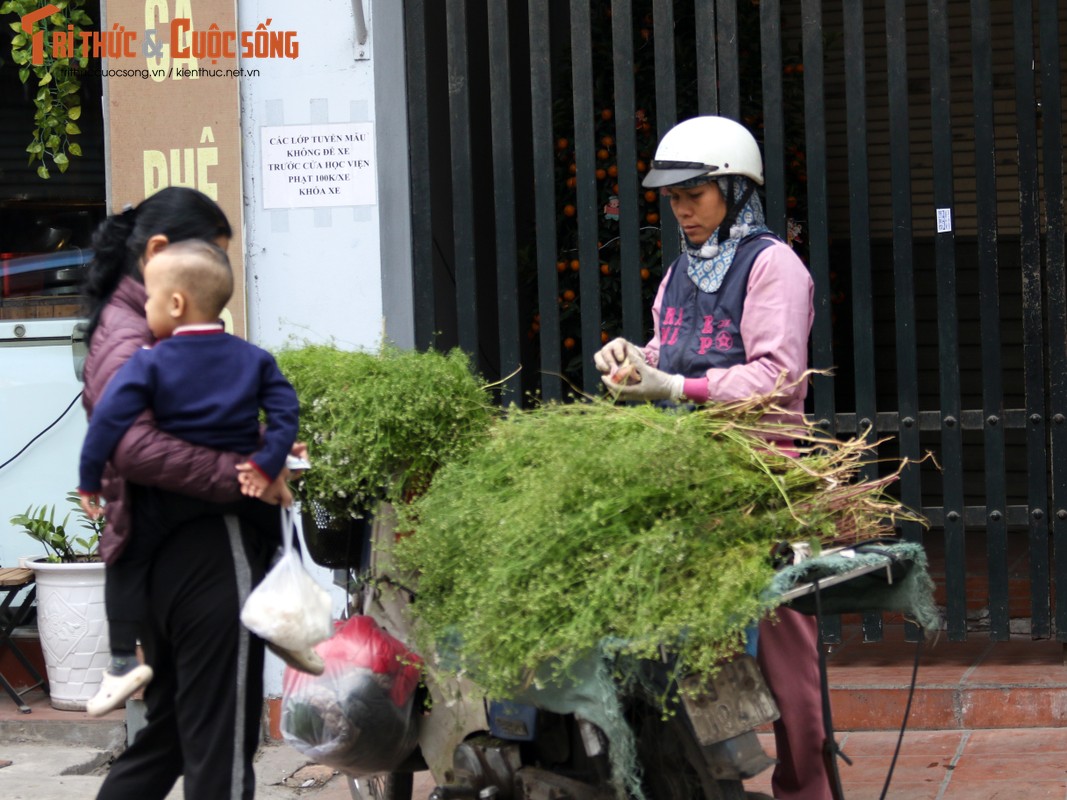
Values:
[(337, 542)]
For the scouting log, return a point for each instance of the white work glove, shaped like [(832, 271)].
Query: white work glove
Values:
[(655, 384), (616, 353)]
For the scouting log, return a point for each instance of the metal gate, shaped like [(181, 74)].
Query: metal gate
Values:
[(914, 159)]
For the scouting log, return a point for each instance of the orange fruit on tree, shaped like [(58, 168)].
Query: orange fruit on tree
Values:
[(569, 343), (650, 196), (561, 266), (645, 273), (601, 174), (607, 141), (605, 269), (652, 217), (573, 168), (606, 114), (602, 154), (613, 170), (641, 166), (561, 143), (575, 264), (569, 210), (568, 295), (604, 337)]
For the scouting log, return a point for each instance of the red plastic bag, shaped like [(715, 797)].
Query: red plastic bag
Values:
[(358, 716)]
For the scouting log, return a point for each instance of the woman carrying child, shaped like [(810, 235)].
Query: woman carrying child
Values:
[(205, 700)]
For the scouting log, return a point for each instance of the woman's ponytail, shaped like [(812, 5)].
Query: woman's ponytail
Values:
[(109, 264)]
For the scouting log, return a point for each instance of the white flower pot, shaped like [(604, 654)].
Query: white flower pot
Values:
[(73, 627)]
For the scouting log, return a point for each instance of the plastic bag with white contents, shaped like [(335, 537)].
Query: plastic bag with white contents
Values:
[(288, 608)]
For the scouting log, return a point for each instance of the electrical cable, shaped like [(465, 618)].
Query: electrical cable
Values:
[(42, 433), (904, 723)]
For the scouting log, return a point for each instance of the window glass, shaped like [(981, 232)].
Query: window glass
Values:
[(46, 225)]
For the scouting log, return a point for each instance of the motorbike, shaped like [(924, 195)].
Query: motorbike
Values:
[(559, 745)]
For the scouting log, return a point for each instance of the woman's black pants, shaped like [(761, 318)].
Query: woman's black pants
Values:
[(205, 703)]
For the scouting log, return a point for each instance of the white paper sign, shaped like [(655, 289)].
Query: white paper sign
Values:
[(944, 220), (314, 166)]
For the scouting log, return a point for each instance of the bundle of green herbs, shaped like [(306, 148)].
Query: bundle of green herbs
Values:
[(378, 425), (625, 530)]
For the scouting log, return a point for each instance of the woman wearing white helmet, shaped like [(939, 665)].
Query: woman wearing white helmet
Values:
[(731, 321)]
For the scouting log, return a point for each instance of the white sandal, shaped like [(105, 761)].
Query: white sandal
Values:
[(115, 690)]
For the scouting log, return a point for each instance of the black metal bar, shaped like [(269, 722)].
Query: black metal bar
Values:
[(818, 236), (860, 223), (507, 278), (773, 116), (948, 343), (995, 520), (860, 246), (545, 199), (585, 159), (904, 280), (626, 161), (971, 419), (729, 63), (419, 163), (666, 113), (459, 119), (978, 517), (707, 69), (1052, 150), (1033, 333)]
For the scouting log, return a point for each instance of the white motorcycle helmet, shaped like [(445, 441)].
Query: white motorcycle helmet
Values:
[(704, 146)]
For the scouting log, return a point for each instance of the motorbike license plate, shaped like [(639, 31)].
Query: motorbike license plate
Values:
[(736, 700)]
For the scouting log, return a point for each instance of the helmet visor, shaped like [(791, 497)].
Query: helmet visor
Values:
[(668, 173)]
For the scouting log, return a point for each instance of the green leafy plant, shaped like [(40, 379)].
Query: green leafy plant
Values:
[(379, 425), (57, 101), (591, 527), (62, 544)]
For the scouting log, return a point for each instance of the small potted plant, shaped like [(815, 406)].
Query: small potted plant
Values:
[(71, 618), (377, 427)]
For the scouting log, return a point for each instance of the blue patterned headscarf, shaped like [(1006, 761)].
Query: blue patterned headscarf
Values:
[(709, 263)]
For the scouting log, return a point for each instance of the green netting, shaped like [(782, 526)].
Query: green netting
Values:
[(904, 586)]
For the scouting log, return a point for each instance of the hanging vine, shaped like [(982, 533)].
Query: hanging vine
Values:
[(57, 102)]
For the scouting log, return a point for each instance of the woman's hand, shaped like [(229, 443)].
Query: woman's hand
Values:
[(616, 353), (654, 384), (299, 450)]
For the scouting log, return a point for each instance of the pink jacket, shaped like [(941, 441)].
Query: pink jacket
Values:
[(145, 455), (774, 327)]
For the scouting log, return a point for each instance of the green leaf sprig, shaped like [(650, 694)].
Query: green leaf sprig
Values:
[(61, 544), (57, 100)]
